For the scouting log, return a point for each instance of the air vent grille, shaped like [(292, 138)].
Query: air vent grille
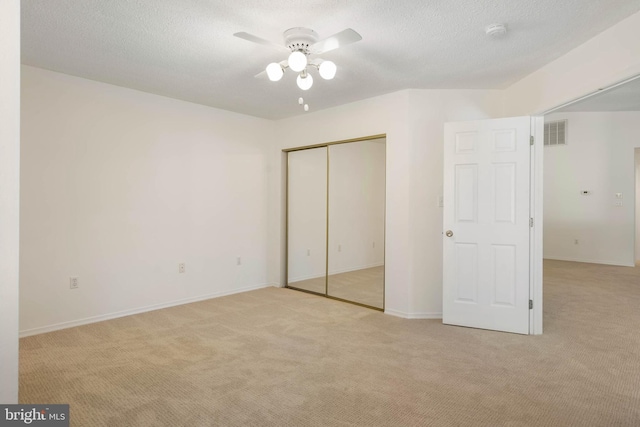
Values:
[(555, 133)]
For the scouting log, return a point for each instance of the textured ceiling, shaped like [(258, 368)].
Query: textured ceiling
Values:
[(185, 49)]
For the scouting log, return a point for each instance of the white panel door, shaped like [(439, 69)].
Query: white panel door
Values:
[(486, 224)]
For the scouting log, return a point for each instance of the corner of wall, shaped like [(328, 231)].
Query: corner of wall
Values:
[(9, 197)]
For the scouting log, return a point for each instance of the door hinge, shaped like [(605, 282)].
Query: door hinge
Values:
[(531, 140), (530, 304), (530, 222)]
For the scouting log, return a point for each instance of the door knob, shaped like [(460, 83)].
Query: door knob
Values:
[(449, 233)]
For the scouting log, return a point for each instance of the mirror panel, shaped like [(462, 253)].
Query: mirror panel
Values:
[(307, 219), (356, 222)]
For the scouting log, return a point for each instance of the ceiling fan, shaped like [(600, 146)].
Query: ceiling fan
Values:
[(301, 44)]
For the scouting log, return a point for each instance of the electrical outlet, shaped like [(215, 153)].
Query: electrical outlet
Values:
[(618, 204), (239, 261), (73, 283), (339, 248), (181, 268), (575, 242)]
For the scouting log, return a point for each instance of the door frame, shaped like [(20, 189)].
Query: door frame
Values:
[(537, 182), (536, 213), (636, 199)]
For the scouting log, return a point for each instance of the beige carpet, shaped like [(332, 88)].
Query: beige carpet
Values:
[(365, 286), (278, 357)]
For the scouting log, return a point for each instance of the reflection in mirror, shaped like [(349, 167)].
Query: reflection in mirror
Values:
[(307, 220), (356, 222)]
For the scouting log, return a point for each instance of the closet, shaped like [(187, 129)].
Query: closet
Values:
[(335, 218)]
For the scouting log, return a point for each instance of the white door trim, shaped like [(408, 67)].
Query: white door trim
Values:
[(536, 182)]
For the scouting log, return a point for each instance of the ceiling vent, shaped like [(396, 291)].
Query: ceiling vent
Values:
[(555, 133)]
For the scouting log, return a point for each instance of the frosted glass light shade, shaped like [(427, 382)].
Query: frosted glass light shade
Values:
[(327, 70), (306, 83), (274, 71), (297, 61)]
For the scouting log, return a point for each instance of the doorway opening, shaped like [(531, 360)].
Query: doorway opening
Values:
[(592, 181)]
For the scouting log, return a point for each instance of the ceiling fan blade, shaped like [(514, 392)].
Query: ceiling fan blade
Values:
[(256, 39), (335, 41)]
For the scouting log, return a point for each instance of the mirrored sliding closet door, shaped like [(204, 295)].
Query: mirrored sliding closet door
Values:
[(336, 219), (356, 222), (307, 220)]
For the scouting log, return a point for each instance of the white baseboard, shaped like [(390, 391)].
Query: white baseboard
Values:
[(590, 261), (423, 315), (109, 316)]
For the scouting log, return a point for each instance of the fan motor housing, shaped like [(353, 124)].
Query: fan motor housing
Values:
[(299, 38)]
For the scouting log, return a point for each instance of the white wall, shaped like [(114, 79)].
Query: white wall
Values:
[(608, 58), (413, 122), (119, 186), (9, 201), (599, 157)]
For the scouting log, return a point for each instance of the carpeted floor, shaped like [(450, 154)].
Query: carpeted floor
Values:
[(278, 357)]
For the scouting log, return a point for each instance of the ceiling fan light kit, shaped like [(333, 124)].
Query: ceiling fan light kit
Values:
[(297, 61), (275, 71), (303, 43), (304, 81), (327, 70)]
